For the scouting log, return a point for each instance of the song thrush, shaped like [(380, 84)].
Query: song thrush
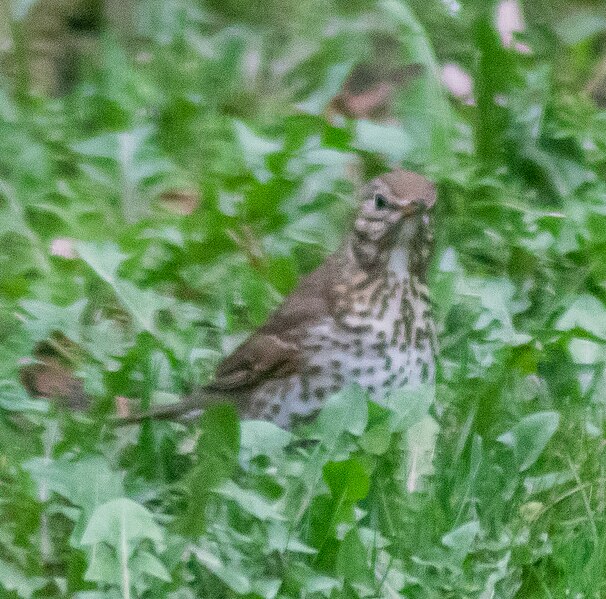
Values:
[(363, 316)]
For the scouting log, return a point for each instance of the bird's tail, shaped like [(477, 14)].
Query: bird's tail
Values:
[(187, 410), (50, 379)]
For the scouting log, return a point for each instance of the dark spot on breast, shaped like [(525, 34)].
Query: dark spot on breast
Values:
[(397, 332), (370, 370), (356, 372), (320, 393)]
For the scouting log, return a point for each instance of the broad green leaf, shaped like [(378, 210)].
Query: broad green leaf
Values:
[(391, 141), (220, 435), (347, 411), (580, 24), (529, 437), (546, 482), (348, 480), (586, 312), (421, 443), (104, 566), (584, 351), (217, 453), (21, 8), (122, 523), (281, 538), (17, 581), (64, 476), (44, 319), (142, 305), (14, 399), (263, 438), (146, 563), (376, 439), (409, 405), (133, 159), (461, 539), (267, 588), (250, 502), (255, 150)]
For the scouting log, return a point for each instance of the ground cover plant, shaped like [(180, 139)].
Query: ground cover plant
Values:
[(153, 215)]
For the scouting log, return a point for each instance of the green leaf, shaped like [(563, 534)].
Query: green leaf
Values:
[(580, 25), (14, 399), (133, 159), (250, 502), (103, 566), (232, 575), (391, 141), (142, 305), (64, 477), (21, 8), (529, 437), (586, 312), (461, 540), (263, 438), (421, 443), (255, 150), (146, 563), (44, 319), (220, 436), (376, 439), (217, 451), (122, 523), (348, 480), (347, 411), (545, 482), (352, 562), (409, 405), (13, 579)]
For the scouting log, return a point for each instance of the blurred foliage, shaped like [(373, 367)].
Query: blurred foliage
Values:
[(156, 213)]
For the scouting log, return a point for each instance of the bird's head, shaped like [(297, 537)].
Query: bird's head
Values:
[(394, 213)]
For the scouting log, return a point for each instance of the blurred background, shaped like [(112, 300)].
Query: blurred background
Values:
[(170, 168)]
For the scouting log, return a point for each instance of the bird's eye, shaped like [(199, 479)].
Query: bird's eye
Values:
[(380, 202)]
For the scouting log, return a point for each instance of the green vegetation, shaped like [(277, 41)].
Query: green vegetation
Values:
[(493, 490)]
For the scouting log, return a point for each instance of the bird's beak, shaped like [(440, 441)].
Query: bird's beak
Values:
[(413, 208)]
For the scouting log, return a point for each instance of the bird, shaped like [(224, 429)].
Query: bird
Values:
[(363, 316)]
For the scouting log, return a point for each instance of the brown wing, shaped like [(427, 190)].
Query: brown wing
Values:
[(275, 349), (260, 357)]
